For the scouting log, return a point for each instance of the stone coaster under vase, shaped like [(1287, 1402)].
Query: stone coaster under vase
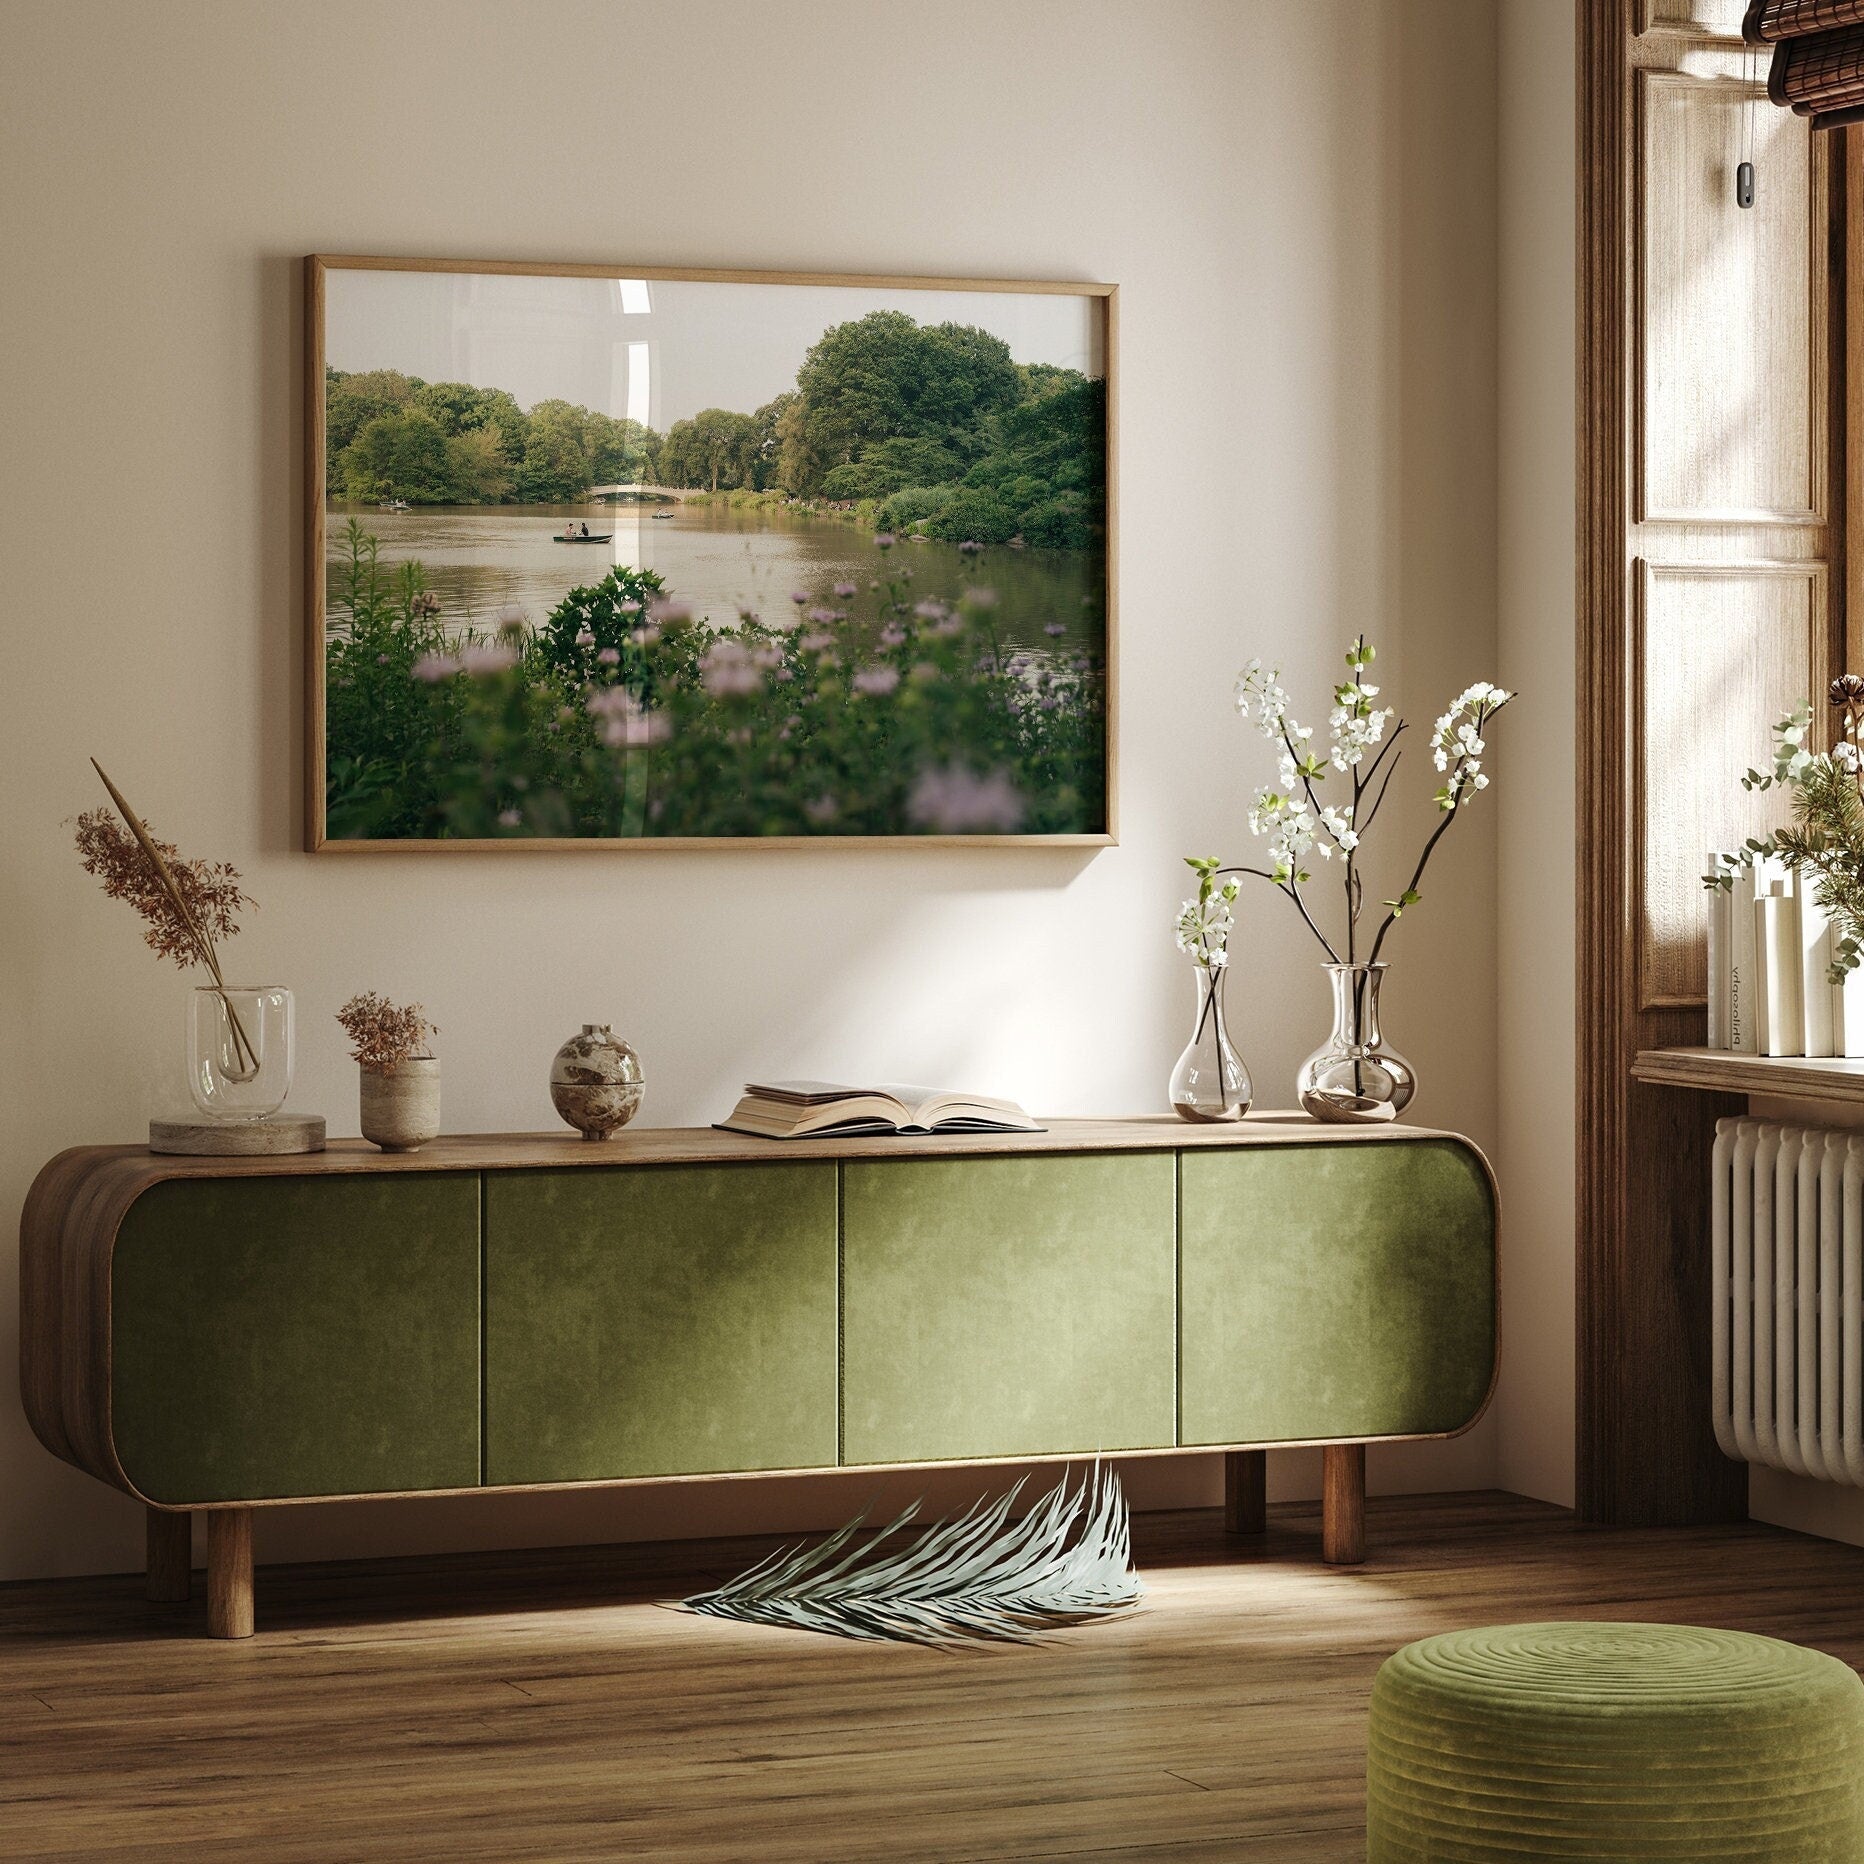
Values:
[(233, 1139)]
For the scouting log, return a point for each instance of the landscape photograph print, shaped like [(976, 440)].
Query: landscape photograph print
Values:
[(661, 559)]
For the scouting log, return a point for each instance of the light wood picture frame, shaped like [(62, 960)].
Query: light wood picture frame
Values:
[(649, 557)]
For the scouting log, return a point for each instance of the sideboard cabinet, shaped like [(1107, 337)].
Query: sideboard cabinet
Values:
[(498, 1313)]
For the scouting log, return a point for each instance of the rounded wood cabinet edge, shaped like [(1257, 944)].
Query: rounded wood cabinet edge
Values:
[(68, 1232)]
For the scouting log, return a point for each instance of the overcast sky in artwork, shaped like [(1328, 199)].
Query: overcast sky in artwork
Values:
[(658, 350)]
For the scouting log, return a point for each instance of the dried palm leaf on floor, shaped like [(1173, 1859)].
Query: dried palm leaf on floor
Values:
[(981, 1577)]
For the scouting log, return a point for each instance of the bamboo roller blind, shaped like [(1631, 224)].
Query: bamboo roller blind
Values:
[(1818, 56)]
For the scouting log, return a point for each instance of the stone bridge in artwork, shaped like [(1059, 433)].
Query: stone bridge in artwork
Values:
[(662, 494)]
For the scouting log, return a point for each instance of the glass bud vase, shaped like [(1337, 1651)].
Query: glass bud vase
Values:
[(1210, 1081), (239, 1050), (1356, 1075)]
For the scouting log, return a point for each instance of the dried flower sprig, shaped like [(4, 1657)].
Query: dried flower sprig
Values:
[(382, 1034), (185, 905)]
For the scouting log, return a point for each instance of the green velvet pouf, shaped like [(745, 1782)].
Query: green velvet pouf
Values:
[(1614, 1742)]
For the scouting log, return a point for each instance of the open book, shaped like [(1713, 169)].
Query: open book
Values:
[(801, 1109)]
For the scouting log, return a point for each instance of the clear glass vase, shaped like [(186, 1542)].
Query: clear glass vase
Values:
[(1210, 1081), (239, 1050), (1356, 1075)]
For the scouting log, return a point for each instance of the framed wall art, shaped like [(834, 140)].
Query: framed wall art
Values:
[(612, 556)]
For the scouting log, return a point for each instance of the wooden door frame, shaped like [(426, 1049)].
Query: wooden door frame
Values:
[(1646, 1453), (1601, 764)]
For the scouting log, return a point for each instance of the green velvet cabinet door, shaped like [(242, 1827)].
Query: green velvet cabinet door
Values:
[(1335, 1291), (297, 1336), (1007, 1306), (659, 1320)]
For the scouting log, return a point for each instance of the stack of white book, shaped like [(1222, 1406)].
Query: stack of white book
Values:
[(1770, 957)]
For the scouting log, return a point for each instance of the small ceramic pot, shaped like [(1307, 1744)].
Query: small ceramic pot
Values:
[(401, 1106), (596, 1082)]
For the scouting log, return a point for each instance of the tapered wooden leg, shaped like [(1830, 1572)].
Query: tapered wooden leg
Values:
[(1343, 1504), (1245, 1491), (170, 1554), (229, 1572)]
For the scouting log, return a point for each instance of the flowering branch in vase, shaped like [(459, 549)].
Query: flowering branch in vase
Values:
[(1826, 840), (1363, 746), (185, 905)]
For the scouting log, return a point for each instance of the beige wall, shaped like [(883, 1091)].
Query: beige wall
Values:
[(1536, 871), (1300, 207)]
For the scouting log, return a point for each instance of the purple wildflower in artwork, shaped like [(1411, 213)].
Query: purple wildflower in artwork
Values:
[(726, 669), (951, 800), (623, 722), (484, 658)]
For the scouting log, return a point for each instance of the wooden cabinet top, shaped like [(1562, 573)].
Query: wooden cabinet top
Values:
[(706, 1145)]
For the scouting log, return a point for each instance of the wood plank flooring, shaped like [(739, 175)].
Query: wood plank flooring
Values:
[(545, 1706)]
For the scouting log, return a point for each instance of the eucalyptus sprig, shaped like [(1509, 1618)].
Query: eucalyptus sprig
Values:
[(1362, 746)]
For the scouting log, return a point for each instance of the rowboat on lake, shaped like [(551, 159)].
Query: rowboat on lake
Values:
[(582, 537)]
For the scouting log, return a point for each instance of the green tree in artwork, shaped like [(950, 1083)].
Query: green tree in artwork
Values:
[(351, 402), (726, 446), (891, 465), (477, 468), (1044, 468), (556, 463), (969, 376), (769, 421), (676, 460), (884, 377), (399, 455), (617, 448), (857, 385)]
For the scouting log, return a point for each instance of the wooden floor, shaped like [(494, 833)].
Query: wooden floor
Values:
[(544, 1706)]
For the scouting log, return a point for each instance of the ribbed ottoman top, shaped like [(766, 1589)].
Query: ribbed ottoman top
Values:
[(1614, 1741)]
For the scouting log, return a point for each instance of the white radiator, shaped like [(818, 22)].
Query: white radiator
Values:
[(1787, 1212)]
